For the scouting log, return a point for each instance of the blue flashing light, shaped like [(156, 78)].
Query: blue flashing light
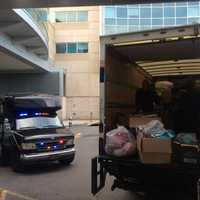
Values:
[(55, 147), (41, 143), (23, 114), (37, 114)]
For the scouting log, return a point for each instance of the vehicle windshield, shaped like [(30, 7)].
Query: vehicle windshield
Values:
[(38, 123)]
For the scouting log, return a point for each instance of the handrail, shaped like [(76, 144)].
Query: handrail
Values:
[(37, 15)]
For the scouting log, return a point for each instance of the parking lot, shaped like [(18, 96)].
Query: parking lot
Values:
[(55, 182)]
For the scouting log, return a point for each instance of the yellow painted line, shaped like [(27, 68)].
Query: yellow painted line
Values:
[(4, 193), (78, 135)]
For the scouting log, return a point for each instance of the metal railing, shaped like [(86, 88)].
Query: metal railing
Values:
[(39, 16)]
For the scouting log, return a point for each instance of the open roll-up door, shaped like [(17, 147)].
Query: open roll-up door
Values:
[(161, 52)]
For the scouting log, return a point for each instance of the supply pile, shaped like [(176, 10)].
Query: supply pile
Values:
[(153, 143)]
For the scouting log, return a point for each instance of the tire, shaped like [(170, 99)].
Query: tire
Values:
[(16, 165), (66, 161)]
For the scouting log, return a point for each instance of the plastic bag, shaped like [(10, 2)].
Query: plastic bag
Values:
[(153, 127), (120, 142), (187, 138)]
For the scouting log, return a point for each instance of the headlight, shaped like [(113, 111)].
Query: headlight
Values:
[(70, 142), (28, 146)]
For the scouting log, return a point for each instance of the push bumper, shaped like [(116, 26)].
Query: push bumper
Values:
[(48, 156)]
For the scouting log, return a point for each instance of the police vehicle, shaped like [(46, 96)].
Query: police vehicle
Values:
[(31, 132)]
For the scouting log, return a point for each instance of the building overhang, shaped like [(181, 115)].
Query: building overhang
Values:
[(63, 3)]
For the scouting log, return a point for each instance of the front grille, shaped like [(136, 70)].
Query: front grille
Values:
[(48, 144)]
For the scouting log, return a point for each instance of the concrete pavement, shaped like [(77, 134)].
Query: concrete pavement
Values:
[(55, 182)]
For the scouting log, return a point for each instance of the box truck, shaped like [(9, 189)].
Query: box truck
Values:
[(125, 61)]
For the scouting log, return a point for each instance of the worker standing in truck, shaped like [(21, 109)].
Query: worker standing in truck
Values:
[(146, 98)]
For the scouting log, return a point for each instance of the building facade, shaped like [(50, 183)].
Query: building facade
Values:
[(74, 44), (130, 18), (76, 50)]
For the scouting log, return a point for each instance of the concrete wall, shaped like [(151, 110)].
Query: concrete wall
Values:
[(48, 83), (82, 70)]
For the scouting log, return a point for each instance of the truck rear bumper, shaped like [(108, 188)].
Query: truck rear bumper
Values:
[(48, 156)]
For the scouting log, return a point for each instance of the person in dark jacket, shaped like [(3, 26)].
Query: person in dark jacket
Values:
[(186, 108), (145, 98)]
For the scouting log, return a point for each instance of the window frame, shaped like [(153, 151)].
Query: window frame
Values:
[(85, 43), (61, 43), (71, 43), (64, 17), (76, 16)]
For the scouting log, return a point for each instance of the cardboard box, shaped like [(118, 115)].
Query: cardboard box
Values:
[(153, 150), (139, 120)]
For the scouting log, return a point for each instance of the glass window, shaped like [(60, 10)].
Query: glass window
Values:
[(110, 30), (193, 3), (133, 28), (38, 122), (169, 4), (60, 16), (145, 27), (133, 6), (193, 11), (122, 29), (156, 27), (193, 20), (157, 21), (145, 12), (181, 4), (110, 21), (133, 12), (145, 5), (169, 12), (145, 22), (71, 16), (71, 48), (157, 5), (60, 48), (109, 12), (82, 16), (181, 12), (169, 21), (82, 47), (122, 6), (42, 16), (133, 21), (122, 22), (181, 21), (157, 12), (122, 12)]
